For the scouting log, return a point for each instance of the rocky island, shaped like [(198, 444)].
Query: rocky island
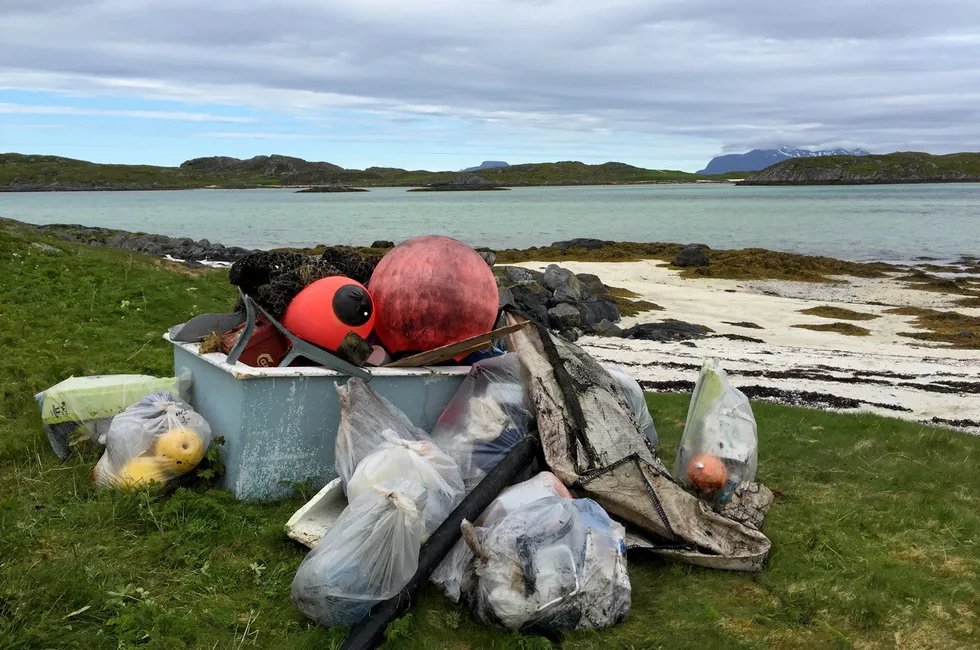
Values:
[(905, 167)]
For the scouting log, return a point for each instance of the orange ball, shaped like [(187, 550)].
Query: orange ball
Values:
[(707, 473), (327, 310)]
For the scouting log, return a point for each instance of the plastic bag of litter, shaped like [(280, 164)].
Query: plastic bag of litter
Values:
[(638, 403), (417, 460), (79, 410), (364, 417), (489, 414), (156, 439), (554, 564), (452, 571), (720, 446), (368, 556)]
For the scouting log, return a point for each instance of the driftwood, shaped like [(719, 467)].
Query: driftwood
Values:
[(453, 350)]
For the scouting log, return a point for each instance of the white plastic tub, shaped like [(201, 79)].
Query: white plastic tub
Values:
[(279, 424)]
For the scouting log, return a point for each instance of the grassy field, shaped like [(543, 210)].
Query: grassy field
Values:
[(874, 531)]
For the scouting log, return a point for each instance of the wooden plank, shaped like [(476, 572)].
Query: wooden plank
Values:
[(453, 350)]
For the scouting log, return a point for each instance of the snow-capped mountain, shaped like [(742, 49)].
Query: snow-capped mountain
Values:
[(761, 158)]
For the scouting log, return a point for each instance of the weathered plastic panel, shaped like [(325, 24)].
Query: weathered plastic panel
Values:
[(280, 424)]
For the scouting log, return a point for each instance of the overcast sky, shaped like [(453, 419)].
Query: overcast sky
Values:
[(441, 85)]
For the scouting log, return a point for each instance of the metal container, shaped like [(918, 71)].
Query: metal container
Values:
[(280, 424)]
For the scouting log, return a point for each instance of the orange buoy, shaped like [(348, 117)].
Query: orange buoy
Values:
[(327, 310), (707, 473), (432, 291)]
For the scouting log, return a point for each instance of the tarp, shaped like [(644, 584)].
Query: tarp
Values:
[(592, 442)]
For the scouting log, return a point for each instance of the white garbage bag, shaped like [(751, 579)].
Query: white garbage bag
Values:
[(452, 571), (418, 460), (554, 564), (155, 440), (638, 403), (720, 426), (368, 556), (488, 415), (364, 417)]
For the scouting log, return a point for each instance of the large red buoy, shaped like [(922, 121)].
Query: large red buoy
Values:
[(324, 312), (432, 291)]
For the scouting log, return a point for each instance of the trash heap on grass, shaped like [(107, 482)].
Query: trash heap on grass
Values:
[(532, 542)]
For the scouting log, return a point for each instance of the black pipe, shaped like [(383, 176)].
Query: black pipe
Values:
[(369, 633)]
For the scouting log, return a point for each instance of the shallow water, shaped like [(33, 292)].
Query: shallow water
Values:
[(895, 222)]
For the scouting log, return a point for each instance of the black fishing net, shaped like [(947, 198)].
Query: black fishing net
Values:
[(274, 278), (351, 264)]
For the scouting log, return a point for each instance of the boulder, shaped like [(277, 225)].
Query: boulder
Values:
[(589, 244), (519, 275), (505, 297), (530, 295), (592, 286), (564, 317), (383, 243), (669, 331), (563, 283), (595, 311), (692, 255), (607, 328), (489, 258), (570, 335)]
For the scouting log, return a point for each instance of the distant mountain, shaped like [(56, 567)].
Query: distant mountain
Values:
[(761, 158), (487, 164)]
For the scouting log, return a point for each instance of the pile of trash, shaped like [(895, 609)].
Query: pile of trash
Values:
[(522, 500)]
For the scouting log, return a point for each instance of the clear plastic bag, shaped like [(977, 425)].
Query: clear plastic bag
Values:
[(79, 410), (156, 439), (451, 572), (554, 564), (364, 417), (489, 414), (368, 556), (720, 427), (417, 460), (638, 403)]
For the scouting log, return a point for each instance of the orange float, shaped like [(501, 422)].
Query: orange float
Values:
[(432, 291), (707, 473), (327, 310)]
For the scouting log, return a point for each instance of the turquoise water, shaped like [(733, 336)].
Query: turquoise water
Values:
[(897, 222)]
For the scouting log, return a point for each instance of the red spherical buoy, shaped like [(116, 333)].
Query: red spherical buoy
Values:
[(324, 312), (432, 291)]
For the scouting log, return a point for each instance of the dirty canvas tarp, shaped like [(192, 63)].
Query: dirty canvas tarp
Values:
[(592, 441)]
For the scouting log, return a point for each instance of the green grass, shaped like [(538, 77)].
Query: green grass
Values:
[(838, 313), (874, 533)]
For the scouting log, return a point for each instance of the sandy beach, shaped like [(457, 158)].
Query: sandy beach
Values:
[(883, 372)]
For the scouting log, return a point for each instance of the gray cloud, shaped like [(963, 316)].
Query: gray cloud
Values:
[(885, 75)]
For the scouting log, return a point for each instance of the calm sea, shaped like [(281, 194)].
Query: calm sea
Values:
[(898, 222)]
